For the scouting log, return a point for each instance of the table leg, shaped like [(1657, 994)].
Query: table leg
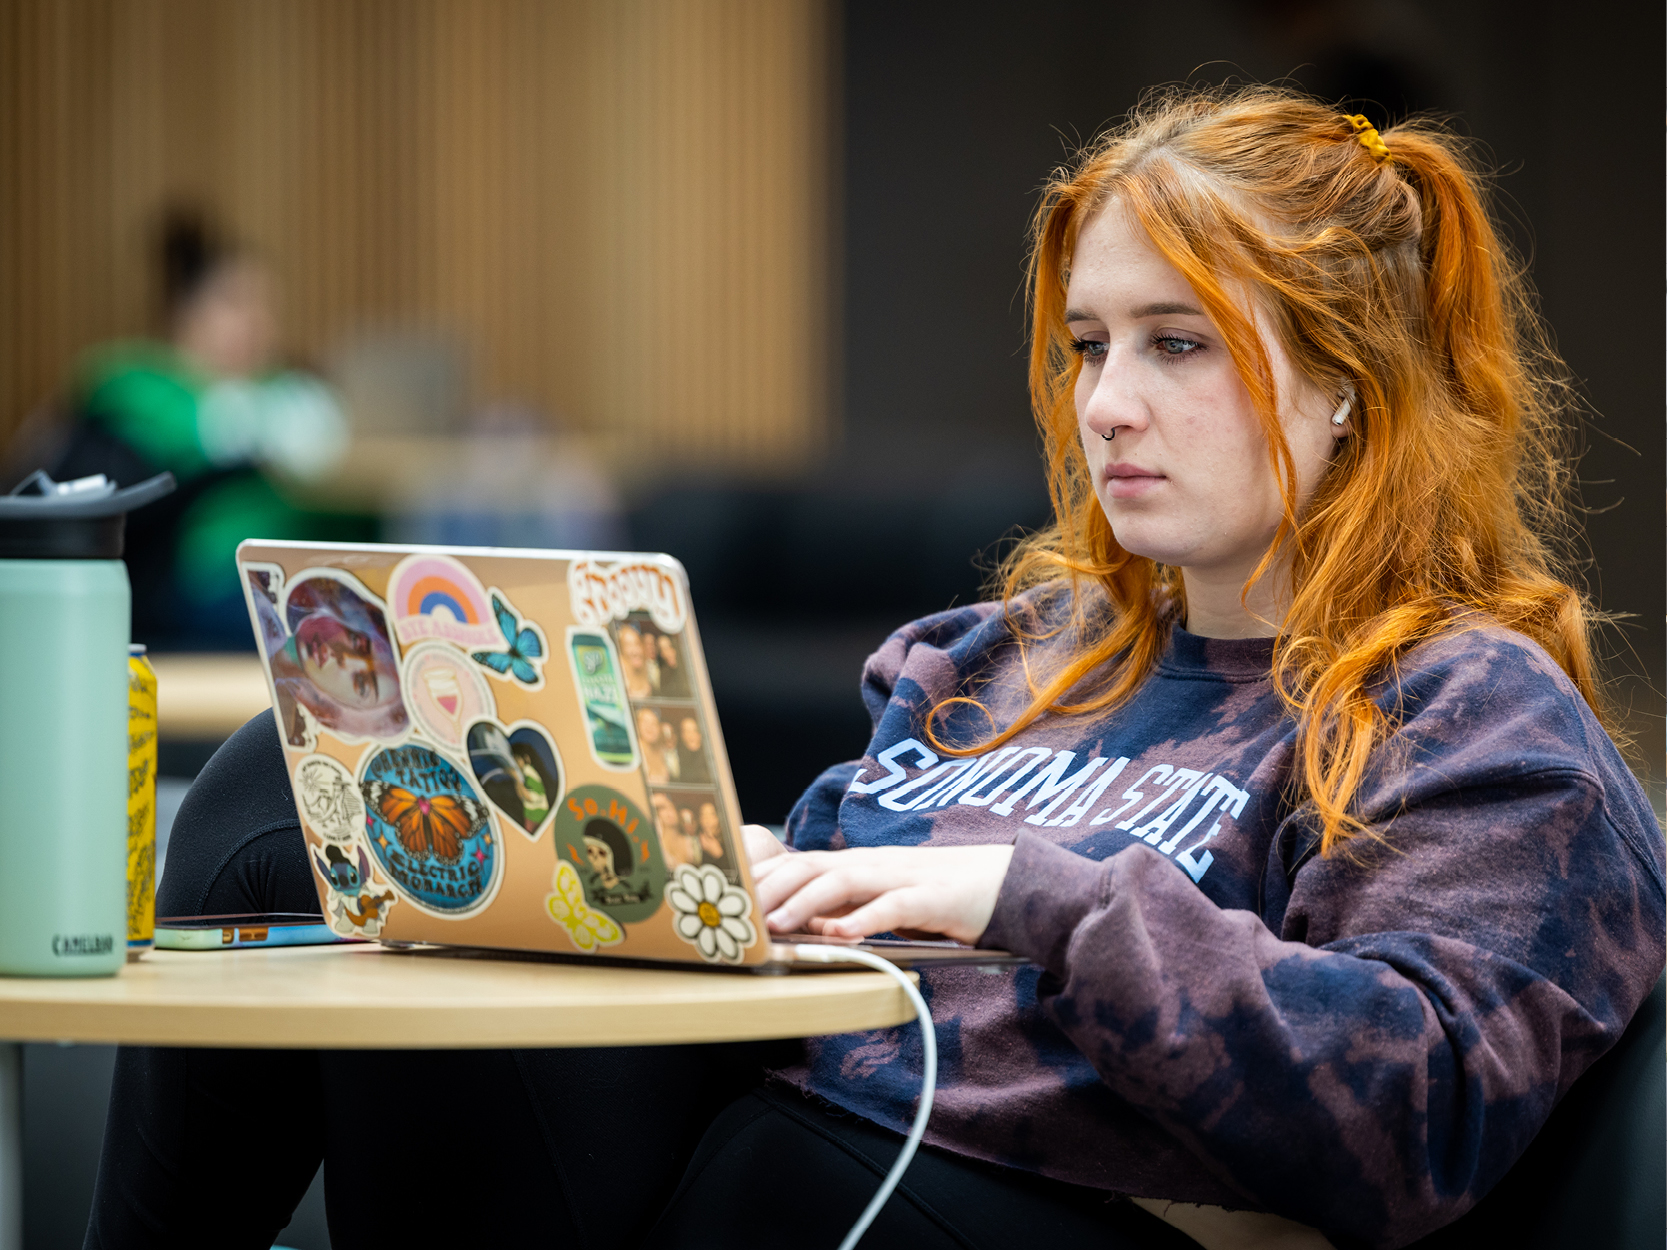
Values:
[(11, 1146)]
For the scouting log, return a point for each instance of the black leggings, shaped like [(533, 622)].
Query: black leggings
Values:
[(626, 1146)]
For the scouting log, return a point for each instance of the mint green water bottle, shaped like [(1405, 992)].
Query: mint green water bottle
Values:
[(65, 608)]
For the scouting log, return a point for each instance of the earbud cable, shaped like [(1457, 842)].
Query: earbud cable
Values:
[(928, 1078)]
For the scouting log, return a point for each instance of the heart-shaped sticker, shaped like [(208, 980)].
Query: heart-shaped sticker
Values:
[(519, 770)]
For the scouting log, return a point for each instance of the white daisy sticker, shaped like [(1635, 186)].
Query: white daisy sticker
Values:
[(710, 914), (588, 929)]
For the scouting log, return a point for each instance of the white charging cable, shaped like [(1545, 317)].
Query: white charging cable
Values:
[(928, 1077)]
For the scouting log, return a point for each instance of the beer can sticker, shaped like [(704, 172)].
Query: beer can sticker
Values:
[(601, 694)]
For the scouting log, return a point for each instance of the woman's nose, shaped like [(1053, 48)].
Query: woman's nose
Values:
[(1112, 402)]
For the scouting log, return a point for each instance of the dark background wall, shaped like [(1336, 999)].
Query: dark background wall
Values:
[(954, 113)]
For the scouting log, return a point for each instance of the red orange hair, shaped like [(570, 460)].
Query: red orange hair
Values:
[(1448, 497)]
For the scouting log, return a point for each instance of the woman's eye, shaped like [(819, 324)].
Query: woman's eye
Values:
[(1173, 345), (1088, 349)]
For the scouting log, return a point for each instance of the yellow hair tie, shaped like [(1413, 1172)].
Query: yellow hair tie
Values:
[(1369, 137)]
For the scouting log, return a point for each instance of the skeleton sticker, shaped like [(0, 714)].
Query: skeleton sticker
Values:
[(613, 847)]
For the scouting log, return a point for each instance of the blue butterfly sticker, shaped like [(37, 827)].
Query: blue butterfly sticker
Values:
[(525, 647)]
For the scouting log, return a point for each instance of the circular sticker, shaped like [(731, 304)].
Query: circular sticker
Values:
[(329, 798), (444, 692), (429, 830), (613, 846)]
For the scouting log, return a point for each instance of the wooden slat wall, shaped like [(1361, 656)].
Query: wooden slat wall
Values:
[(619, 205)]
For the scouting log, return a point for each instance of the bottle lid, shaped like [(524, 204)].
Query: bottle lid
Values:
[(81, 520), (136, 648)]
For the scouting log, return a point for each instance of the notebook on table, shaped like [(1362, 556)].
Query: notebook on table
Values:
[(510, 749)]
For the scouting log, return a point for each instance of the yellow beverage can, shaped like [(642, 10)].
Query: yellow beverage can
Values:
[(141, 802)]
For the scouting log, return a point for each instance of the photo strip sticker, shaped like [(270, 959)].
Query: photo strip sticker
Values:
[(444, 692), (611, 845), (601, 592), (693, 830), (519, 770), (673, 744), (332, 662), (435, 596), (357, 906), (523, 649), (651, 662), (588, 930), (429, 831), (601, 695), (329, 799)]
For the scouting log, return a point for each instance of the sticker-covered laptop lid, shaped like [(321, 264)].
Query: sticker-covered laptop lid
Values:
[(504, 749)]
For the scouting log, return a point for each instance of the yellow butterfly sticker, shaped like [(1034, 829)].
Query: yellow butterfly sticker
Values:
[(588, 929)]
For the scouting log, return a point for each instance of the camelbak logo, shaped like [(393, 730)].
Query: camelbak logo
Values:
[(82, 944)]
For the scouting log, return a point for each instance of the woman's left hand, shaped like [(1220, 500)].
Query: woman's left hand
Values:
[(934, 889)]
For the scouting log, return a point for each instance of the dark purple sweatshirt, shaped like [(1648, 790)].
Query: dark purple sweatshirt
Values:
[(1363, 1042)]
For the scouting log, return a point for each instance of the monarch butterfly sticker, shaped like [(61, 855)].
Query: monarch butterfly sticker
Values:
[(429, 831), (522, 659)]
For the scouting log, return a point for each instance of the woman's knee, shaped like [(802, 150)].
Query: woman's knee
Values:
[(236, 844)]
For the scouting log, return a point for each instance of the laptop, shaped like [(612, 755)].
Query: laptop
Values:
[(514, 750)]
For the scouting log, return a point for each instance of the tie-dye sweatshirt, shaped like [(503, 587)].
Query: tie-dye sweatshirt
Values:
[(1215, 1013)]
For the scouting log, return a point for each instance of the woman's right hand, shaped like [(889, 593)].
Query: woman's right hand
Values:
[(761, 844)]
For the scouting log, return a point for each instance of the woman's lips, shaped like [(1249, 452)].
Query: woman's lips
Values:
[(1130, 481)]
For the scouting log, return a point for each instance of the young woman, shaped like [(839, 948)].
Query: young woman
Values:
[(1282, 759)]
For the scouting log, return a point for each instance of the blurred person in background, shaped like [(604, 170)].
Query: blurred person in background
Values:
[(208, 402)]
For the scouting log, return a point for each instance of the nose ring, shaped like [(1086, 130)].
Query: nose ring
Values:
[(1112, 435)]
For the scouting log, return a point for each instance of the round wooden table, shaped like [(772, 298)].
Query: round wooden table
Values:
[(364, 996)]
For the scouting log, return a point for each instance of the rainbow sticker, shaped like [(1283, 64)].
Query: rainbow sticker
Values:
[(437, 597)]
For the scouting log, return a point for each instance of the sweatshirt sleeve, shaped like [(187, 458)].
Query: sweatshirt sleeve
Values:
[(1377, 1064)]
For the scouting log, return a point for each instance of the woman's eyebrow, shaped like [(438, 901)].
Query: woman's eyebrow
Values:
[(1135, 314), (1165, 310)]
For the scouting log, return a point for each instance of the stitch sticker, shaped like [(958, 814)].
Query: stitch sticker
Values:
[(357, 908), (519, 770), (586, 929), (429, 831), (444, 692), (333, 665), (596, 681), (522, 658), (710, 914), (611, 844), (434, 596), (602, 592), (329, 798)]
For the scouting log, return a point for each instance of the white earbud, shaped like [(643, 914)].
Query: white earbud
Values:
[(1342, 413)]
